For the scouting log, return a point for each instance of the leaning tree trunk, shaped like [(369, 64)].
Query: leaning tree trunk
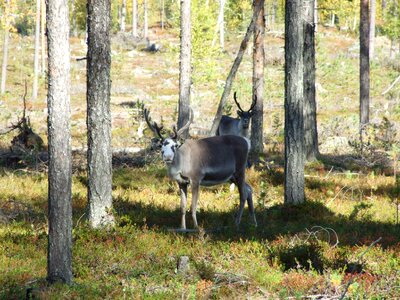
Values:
[(59, 256), (364, 65), (294, 130), (258, 83), (99, 154), (36, 56), (184, 67), (310, 106), (232, 73)]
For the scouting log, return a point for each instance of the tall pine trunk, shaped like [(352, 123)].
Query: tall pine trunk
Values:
[(258, 82), (99, 154), (184, 67), (37, 49), (294, 125), (59, 256), (310, 106)]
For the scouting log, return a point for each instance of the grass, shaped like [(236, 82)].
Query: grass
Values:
[(311, 249)]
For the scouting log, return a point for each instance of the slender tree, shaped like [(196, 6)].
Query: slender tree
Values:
[(134, 18), (5, 47), (59, 255), (220, 25), (310, 106), (99, 154), (74, 29), (258, 82), (184, 66), (294, 125), (37, 49), (364, 64)]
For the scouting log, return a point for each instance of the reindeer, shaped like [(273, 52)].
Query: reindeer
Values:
[(207, 162), (237, 126)]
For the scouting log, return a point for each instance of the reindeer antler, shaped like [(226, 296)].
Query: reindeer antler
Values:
[(185, 127), (153, 127), (253, 103), (237, 103)]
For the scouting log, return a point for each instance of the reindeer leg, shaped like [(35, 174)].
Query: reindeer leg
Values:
[(183, 191), (195, 197), (243, 196), (249, 198)]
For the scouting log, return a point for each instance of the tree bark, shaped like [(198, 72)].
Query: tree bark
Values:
[(372, 29), (59, 256), (232, 73), (184, 67), (364, 64), (258, 83), (99, 114), (134, 18), (294, 125), (5, 48), (310, 106), (146, 23), (37, 49)]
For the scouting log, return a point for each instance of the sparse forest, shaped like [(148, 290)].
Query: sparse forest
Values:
[(113, 112)]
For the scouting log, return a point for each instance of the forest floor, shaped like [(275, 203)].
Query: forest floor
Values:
[(344, 240)]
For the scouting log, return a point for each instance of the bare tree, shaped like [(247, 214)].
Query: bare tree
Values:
[(37, 49), (162, 14), (220, 25), (5, 47), (294, 126), (134, 18), (184, 68), (258, 82), (364, 64), (59, 256), (99, 115), (310, 106)]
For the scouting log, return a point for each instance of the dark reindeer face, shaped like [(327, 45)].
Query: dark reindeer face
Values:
[(245, 118), (168, 149)]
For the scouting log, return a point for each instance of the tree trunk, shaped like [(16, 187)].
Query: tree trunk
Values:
[(364, 64), (184, 67), (43, 37), (258, 83), (162, 14), (232, 73), (146, 23), (134, 18), (123, 15), (310, 107), (315, 15), (36, 56), (220, 26), (5, 48), (98, 114), (372, 29), (59, 256), (294, 125)]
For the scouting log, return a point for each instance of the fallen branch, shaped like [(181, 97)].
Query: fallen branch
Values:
[(391, 86)]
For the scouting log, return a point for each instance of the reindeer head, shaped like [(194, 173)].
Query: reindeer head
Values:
[(245, 116), (171, 144)]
